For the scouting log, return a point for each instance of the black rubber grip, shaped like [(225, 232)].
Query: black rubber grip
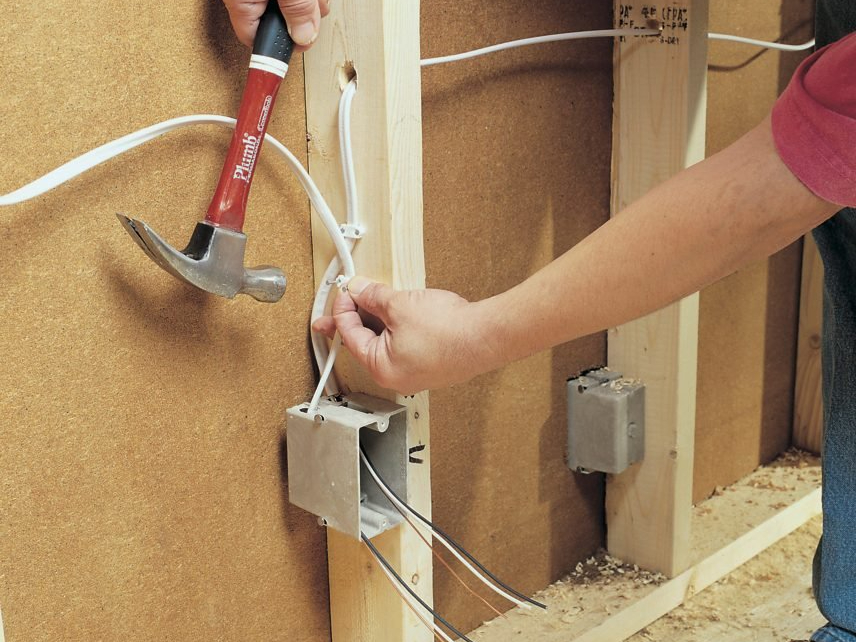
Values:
[(272, 39)]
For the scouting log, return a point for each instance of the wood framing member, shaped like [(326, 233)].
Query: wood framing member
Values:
[(658, 129), (676, 591), (379, 41), (808, 397)]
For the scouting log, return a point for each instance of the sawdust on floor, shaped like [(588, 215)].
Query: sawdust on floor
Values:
[(766, 600)]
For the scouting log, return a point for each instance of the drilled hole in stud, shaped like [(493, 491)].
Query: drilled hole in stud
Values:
[(347, 72)]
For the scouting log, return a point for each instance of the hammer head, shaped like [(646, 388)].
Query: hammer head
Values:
[(212, 261)]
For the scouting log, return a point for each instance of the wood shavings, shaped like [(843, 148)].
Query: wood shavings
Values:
[(620, 384), (602, 568), (602, 585)]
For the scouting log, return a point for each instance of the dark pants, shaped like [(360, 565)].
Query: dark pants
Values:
[(835, 560)]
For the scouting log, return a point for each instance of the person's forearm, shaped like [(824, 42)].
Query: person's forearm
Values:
[(704, 223)]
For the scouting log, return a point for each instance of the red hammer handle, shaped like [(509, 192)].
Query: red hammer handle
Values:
[(271, 53), (229, 204)]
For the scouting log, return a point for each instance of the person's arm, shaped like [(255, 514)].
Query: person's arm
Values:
[(707, 221), (777, 182), (303, 18), (738, 206)]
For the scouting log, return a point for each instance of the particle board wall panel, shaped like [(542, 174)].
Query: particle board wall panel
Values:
[(517, 152), (142, 488), (748, 321)]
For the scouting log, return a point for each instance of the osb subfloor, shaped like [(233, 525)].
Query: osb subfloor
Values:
[(766, 600)]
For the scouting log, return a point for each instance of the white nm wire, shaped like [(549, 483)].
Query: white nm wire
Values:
[(601, 33), (403, 507), (319, 308), (762, 43), (414, 606), (323, 358), (346, 148), (99, 155), (325, 374), (538, 40), (87, 161)]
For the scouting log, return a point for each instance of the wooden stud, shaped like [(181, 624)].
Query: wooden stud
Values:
[(658, 129), (678, 590), (379, 41), (808, 399)]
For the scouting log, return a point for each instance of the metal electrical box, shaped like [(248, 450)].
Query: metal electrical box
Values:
[(325, 473), (606, 422)]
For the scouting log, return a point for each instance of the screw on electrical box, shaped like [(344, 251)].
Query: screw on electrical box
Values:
[(325, 473), (606, 422)]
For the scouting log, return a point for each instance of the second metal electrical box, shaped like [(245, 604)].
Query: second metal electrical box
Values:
[(606, 422)]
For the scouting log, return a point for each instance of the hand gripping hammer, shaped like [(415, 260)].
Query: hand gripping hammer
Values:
[(214, 258)]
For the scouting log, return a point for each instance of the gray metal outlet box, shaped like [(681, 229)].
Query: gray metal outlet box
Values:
[(606, 422), (325, 473)]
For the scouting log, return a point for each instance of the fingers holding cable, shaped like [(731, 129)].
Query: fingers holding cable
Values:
[(364, 333), (412, 340)]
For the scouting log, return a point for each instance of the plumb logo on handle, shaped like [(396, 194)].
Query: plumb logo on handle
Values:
[(244, 171)]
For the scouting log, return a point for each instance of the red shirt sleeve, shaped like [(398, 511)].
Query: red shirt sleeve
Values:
[(814, 122)]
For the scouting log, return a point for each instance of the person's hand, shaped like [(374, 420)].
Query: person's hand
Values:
[(417, 340), (303, 18)]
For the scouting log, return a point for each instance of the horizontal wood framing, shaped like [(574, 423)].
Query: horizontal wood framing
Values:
[(697, 578)]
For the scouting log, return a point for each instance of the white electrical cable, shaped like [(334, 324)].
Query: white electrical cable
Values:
[(538, 40), (99, 155), (325, 374), (404, 507), (762, 43), (79, 165), (346, 148), (601, 33), (323, 358), (110, 150), (319, 306)]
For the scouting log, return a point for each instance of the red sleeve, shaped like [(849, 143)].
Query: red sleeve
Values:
[(814, 123)]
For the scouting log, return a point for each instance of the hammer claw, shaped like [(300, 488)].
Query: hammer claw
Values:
[(131, 229), (212, 261)]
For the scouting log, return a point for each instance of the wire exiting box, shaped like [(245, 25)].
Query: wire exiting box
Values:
[(606, 422), (325, 474)]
